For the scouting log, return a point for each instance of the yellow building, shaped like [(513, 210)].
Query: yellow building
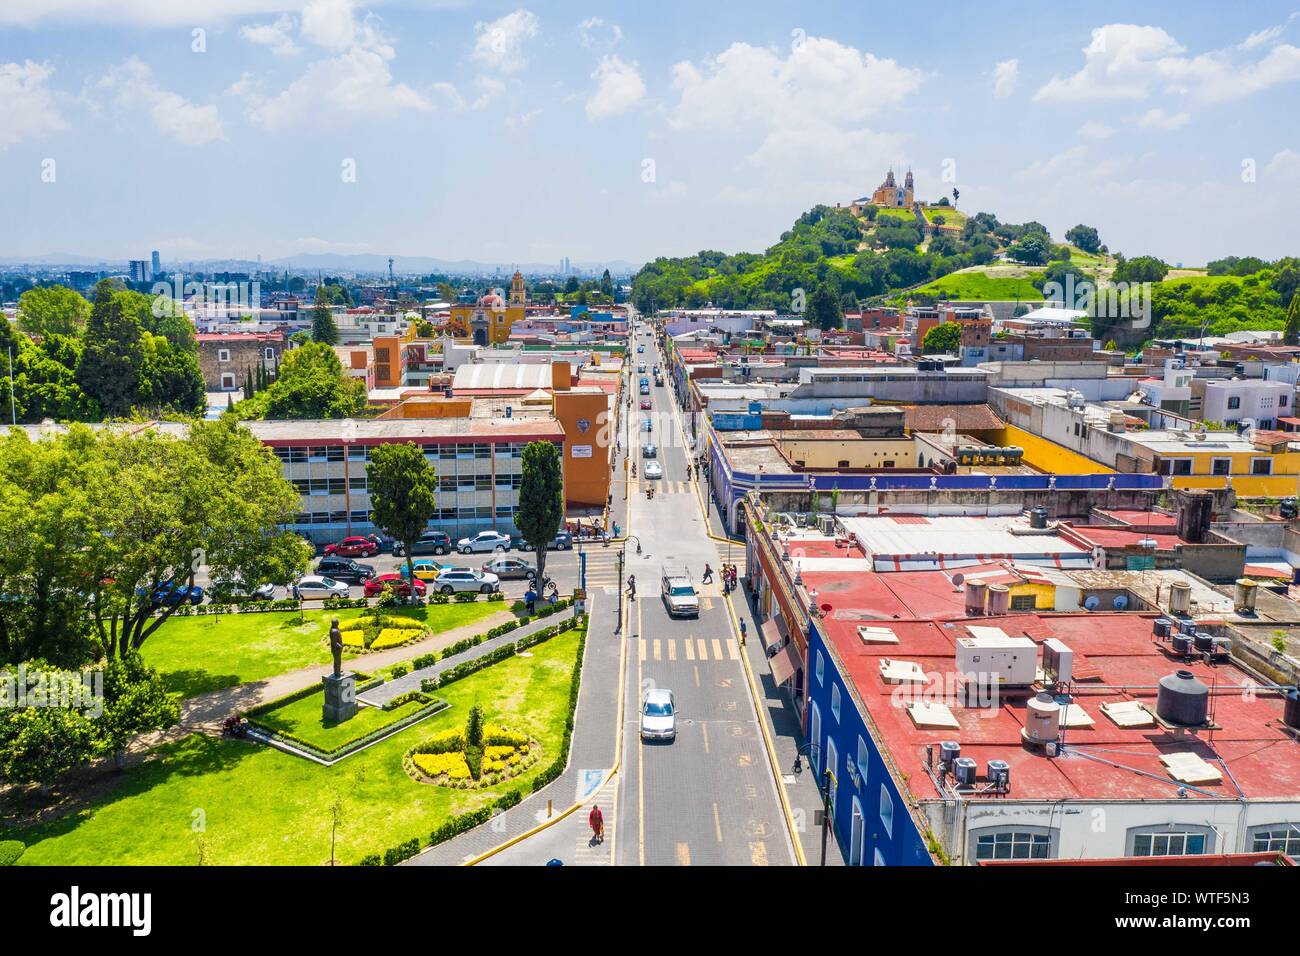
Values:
[(1263, 464), (487, 321)]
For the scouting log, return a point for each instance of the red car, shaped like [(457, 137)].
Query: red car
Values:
[(357, 546), (645, 403), (375, 586)]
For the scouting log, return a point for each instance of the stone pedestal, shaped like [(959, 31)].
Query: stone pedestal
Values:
[(340, 697)]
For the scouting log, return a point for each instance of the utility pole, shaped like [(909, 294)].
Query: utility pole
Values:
[(618, 624)]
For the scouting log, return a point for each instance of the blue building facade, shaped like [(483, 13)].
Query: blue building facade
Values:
[(869, 813)]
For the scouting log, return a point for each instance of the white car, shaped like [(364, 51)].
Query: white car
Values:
[(452, 580), (659, 715), (653, 470), (484, 541), (315, 587)]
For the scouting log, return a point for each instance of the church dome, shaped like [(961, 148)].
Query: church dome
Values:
[(491, 300)]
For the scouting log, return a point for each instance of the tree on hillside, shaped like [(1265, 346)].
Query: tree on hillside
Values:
[(1140, 269), (1291, 336), (824, 309), (1032, 248), (1085, 237), (110, 367), (52, 310), (403, 495), (943, 339), (541, 499), (323, 328)]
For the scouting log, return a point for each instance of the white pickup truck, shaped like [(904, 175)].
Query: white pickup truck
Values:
[(680, 599)]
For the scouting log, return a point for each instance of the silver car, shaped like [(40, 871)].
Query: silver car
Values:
[(659, 715), (653, 470), (466, 579), (314, 587), (484, 541)]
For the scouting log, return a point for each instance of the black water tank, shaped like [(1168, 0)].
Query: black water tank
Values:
[(1038, 518), (1160, 628), (1291, 709), (1182, 700)]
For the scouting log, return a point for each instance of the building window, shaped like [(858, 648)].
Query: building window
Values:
[(1234, 402), (270, 354), (1022, 602), (227, 381), (886, 811), (1275, 838), (1261, 466), (835, 702), (1170, 840), (864, 760), (1221, 466), (821, 668), (223, 355), (1013, 843), (878, 859)]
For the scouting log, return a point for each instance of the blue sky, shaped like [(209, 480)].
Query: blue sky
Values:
[(511, 133)]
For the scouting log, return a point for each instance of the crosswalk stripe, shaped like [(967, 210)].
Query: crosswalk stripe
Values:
[(732, 651), (690, 649), (683, 854), (672, 649), (658, 646), (641, 648), (703, 649), (717, 649)]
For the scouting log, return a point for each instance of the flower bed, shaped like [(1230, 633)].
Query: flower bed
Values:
[(446, 760), (375, 631)]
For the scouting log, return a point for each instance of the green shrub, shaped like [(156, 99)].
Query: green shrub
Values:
[(466, 597), (371, 859), (440, 599), (425, 660), (399, 669), (403, 851)]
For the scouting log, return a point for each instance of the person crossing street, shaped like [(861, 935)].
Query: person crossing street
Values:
[(597, 821)]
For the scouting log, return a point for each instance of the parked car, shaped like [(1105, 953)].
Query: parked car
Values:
[(467, 579), (375, 586), (563, 541), (171, 594), (640, 366), (645, 404), (653, 470), (313, 587), (357, 546), (659, 715), (426, 569), (648, 450), (484, 541), (235, 589), (431, 542), (680, 599), (510, 569), (345, 569)]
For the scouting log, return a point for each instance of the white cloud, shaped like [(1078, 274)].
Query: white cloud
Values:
[(27, 106), (1005, 76), (153, 13), (357, 81), (131, 86), (619, 87), (1267, 35), (499, 44), (1126, 61), (596, 34), (521, 121), (277, 35), (1286, 161), (1162, 120), (1095, 130), (488, 89)]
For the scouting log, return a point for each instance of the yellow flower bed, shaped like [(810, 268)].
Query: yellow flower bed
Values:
[(353, 638), (512, 737), (393, 636), (434, 765), (497, 753)]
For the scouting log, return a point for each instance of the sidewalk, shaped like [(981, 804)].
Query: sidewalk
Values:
[(592, 755)]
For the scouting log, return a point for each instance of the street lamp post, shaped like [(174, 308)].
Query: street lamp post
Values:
[(829, 777)]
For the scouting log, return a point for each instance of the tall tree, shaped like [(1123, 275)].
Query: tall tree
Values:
[(1085, 237), (824, 309), (323, 328), (1292, 334), (52, 310), (312, 384), (607, 285), (943, 339), (541, 499), (111, 362), (403, 495)]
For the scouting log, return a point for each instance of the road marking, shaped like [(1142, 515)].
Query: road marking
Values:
[(744, 760), (703, 650), (706, 603), (717, 823), (690, 649), (697, 677), (672, 649), (733, 651), (658, 647), (758, 854), (717, 649), (641, 642), (704, 731), (683, 855)]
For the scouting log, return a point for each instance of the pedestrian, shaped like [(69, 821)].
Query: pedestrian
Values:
[(742, 632), (631, 587), (597, 821), (708, 574), (530, 600)]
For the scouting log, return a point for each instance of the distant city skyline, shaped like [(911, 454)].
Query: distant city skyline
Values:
[(502, 133)]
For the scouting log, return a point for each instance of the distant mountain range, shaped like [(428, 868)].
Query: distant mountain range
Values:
[(334, 262)]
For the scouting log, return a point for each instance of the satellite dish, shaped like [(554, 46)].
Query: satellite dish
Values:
[(958, 579), (1120, 602), (1092, 603)]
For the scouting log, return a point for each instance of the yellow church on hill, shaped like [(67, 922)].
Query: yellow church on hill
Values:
[(888, 195), (489, 320)]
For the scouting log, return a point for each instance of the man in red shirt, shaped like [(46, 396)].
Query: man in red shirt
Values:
[(597, 821)]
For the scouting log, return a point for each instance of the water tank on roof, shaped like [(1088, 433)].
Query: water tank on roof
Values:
[(1291, 708), (965, 770), (999, 600), (1042, 719), (1182, 700), (1038, 518), (976, 594)]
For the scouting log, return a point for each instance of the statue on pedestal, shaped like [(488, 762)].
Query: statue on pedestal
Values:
[(336, 646)]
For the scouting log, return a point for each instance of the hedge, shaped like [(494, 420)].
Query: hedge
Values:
[(452, 827), (433, 707), (556, 768)]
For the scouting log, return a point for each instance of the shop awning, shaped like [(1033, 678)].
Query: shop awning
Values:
[(784, 663), (771, 634)]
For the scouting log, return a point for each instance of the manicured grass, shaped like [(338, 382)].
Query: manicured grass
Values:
[(261, 806), (981, 285), (301, 720), (200, 654)]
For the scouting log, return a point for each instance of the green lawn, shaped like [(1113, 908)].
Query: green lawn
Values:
[(260, 806), (200, 654), (981, 285), (301, 720)]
